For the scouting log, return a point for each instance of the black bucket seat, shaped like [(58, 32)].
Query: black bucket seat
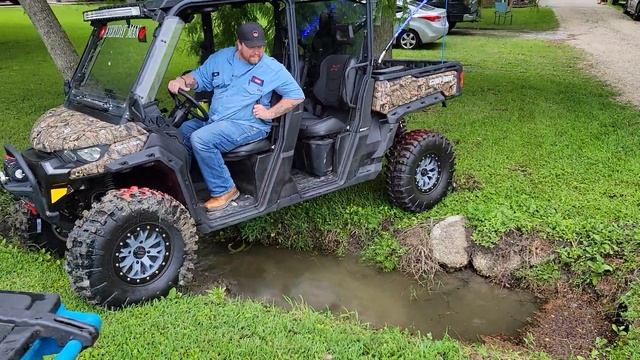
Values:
[(332, 90)]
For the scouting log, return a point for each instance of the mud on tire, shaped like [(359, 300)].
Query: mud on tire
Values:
[(419, 170), (133, 245), (397, 139)]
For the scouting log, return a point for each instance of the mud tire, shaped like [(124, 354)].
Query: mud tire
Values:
[(18, 224), (405, 157), (397, 139), (96, 239)]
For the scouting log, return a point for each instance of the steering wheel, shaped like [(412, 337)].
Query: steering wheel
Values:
[(186, 105)]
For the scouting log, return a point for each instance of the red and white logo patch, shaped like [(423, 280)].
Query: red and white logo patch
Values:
[(256, 80)]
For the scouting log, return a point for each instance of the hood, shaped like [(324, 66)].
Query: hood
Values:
[(64, 129)]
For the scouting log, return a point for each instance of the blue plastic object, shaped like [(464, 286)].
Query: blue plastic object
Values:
[(71, 350), (502, 11), (35, 325)]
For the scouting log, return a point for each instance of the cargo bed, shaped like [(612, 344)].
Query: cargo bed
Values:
[(403, 86)]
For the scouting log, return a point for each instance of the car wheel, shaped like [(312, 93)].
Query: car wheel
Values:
[(23, 226), (636, 15), (409, 39), (133, 245), (420, 170)]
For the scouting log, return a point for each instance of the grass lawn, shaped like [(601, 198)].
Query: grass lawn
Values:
[(534, 19), (549, 150), (619, 6)]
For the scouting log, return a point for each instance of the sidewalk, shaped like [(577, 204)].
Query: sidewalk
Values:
[(609, 37)]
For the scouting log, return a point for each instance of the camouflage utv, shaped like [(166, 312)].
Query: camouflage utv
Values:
[(108, 175)]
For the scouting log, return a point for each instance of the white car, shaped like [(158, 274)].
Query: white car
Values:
[(428, 25)]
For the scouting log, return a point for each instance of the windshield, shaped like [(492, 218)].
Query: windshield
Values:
[(111, 64)]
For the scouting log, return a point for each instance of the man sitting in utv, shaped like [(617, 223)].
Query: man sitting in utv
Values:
[(242, 79)]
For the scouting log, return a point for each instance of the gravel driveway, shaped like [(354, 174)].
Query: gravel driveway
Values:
[(610, 38)]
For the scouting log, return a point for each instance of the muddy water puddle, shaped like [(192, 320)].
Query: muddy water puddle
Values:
[(461, 303)]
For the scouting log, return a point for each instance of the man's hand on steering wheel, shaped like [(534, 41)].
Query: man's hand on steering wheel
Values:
[(185, 105), (185, 102), (177, 84)]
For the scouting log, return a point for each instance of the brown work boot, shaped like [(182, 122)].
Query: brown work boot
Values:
[(222, 201)]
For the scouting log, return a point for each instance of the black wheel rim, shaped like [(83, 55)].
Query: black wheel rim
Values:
[(428, 173), (142, 253)]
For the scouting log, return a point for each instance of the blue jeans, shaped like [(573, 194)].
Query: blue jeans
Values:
[(207, 142)]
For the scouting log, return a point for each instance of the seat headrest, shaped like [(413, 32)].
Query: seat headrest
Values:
[(330, 89)]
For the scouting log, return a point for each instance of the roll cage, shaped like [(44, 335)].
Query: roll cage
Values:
[(171, 17)]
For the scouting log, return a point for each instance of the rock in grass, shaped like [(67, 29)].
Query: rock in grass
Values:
[(449, 242), (494, 265)]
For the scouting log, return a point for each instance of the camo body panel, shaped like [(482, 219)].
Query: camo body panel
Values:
[(389, 94), (115, 152), (64, 129)]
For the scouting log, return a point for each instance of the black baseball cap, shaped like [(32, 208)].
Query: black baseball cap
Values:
[(251, 34)]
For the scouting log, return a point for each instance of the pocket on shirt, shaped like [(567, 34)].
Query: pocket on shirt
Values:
[(219, 84), (254, 89)]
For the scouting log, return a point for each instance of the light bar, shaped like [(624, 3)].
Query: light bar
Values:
[(122, 12)]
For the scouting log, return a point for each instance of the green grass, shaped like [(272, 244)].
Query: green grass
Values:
[(213, 327), (533, 19), (191, 327), (619, 6), (552, 153)]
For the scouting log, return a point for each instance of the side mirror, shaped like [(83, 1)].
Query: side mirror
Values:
[(344, 34)]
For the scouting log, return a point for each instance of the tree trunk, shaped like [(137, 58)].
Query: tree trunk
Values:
[(54, 38), (383, 27)]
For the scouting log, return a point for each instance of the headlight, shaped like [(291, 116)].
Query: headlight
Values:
[(89, 154)]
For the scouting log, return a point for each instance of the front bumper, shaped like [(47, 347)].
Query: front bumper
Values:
[(28, 188)]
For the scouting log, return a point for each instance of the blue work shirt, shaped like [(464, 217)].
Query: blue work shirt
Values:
[(238, 85)]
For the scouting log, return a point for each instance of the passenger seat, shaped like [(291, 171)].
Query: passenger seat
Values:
[(332, 91)]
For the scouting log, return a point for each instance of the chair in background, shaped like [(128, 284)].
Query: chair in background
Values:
[(502, 11)]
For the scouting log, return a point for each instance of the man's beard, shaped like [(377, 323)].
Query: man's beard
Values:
[(253, 60)]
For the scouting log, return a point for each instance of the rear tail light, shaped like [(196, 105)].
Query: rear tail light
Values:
[(431, 17)]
